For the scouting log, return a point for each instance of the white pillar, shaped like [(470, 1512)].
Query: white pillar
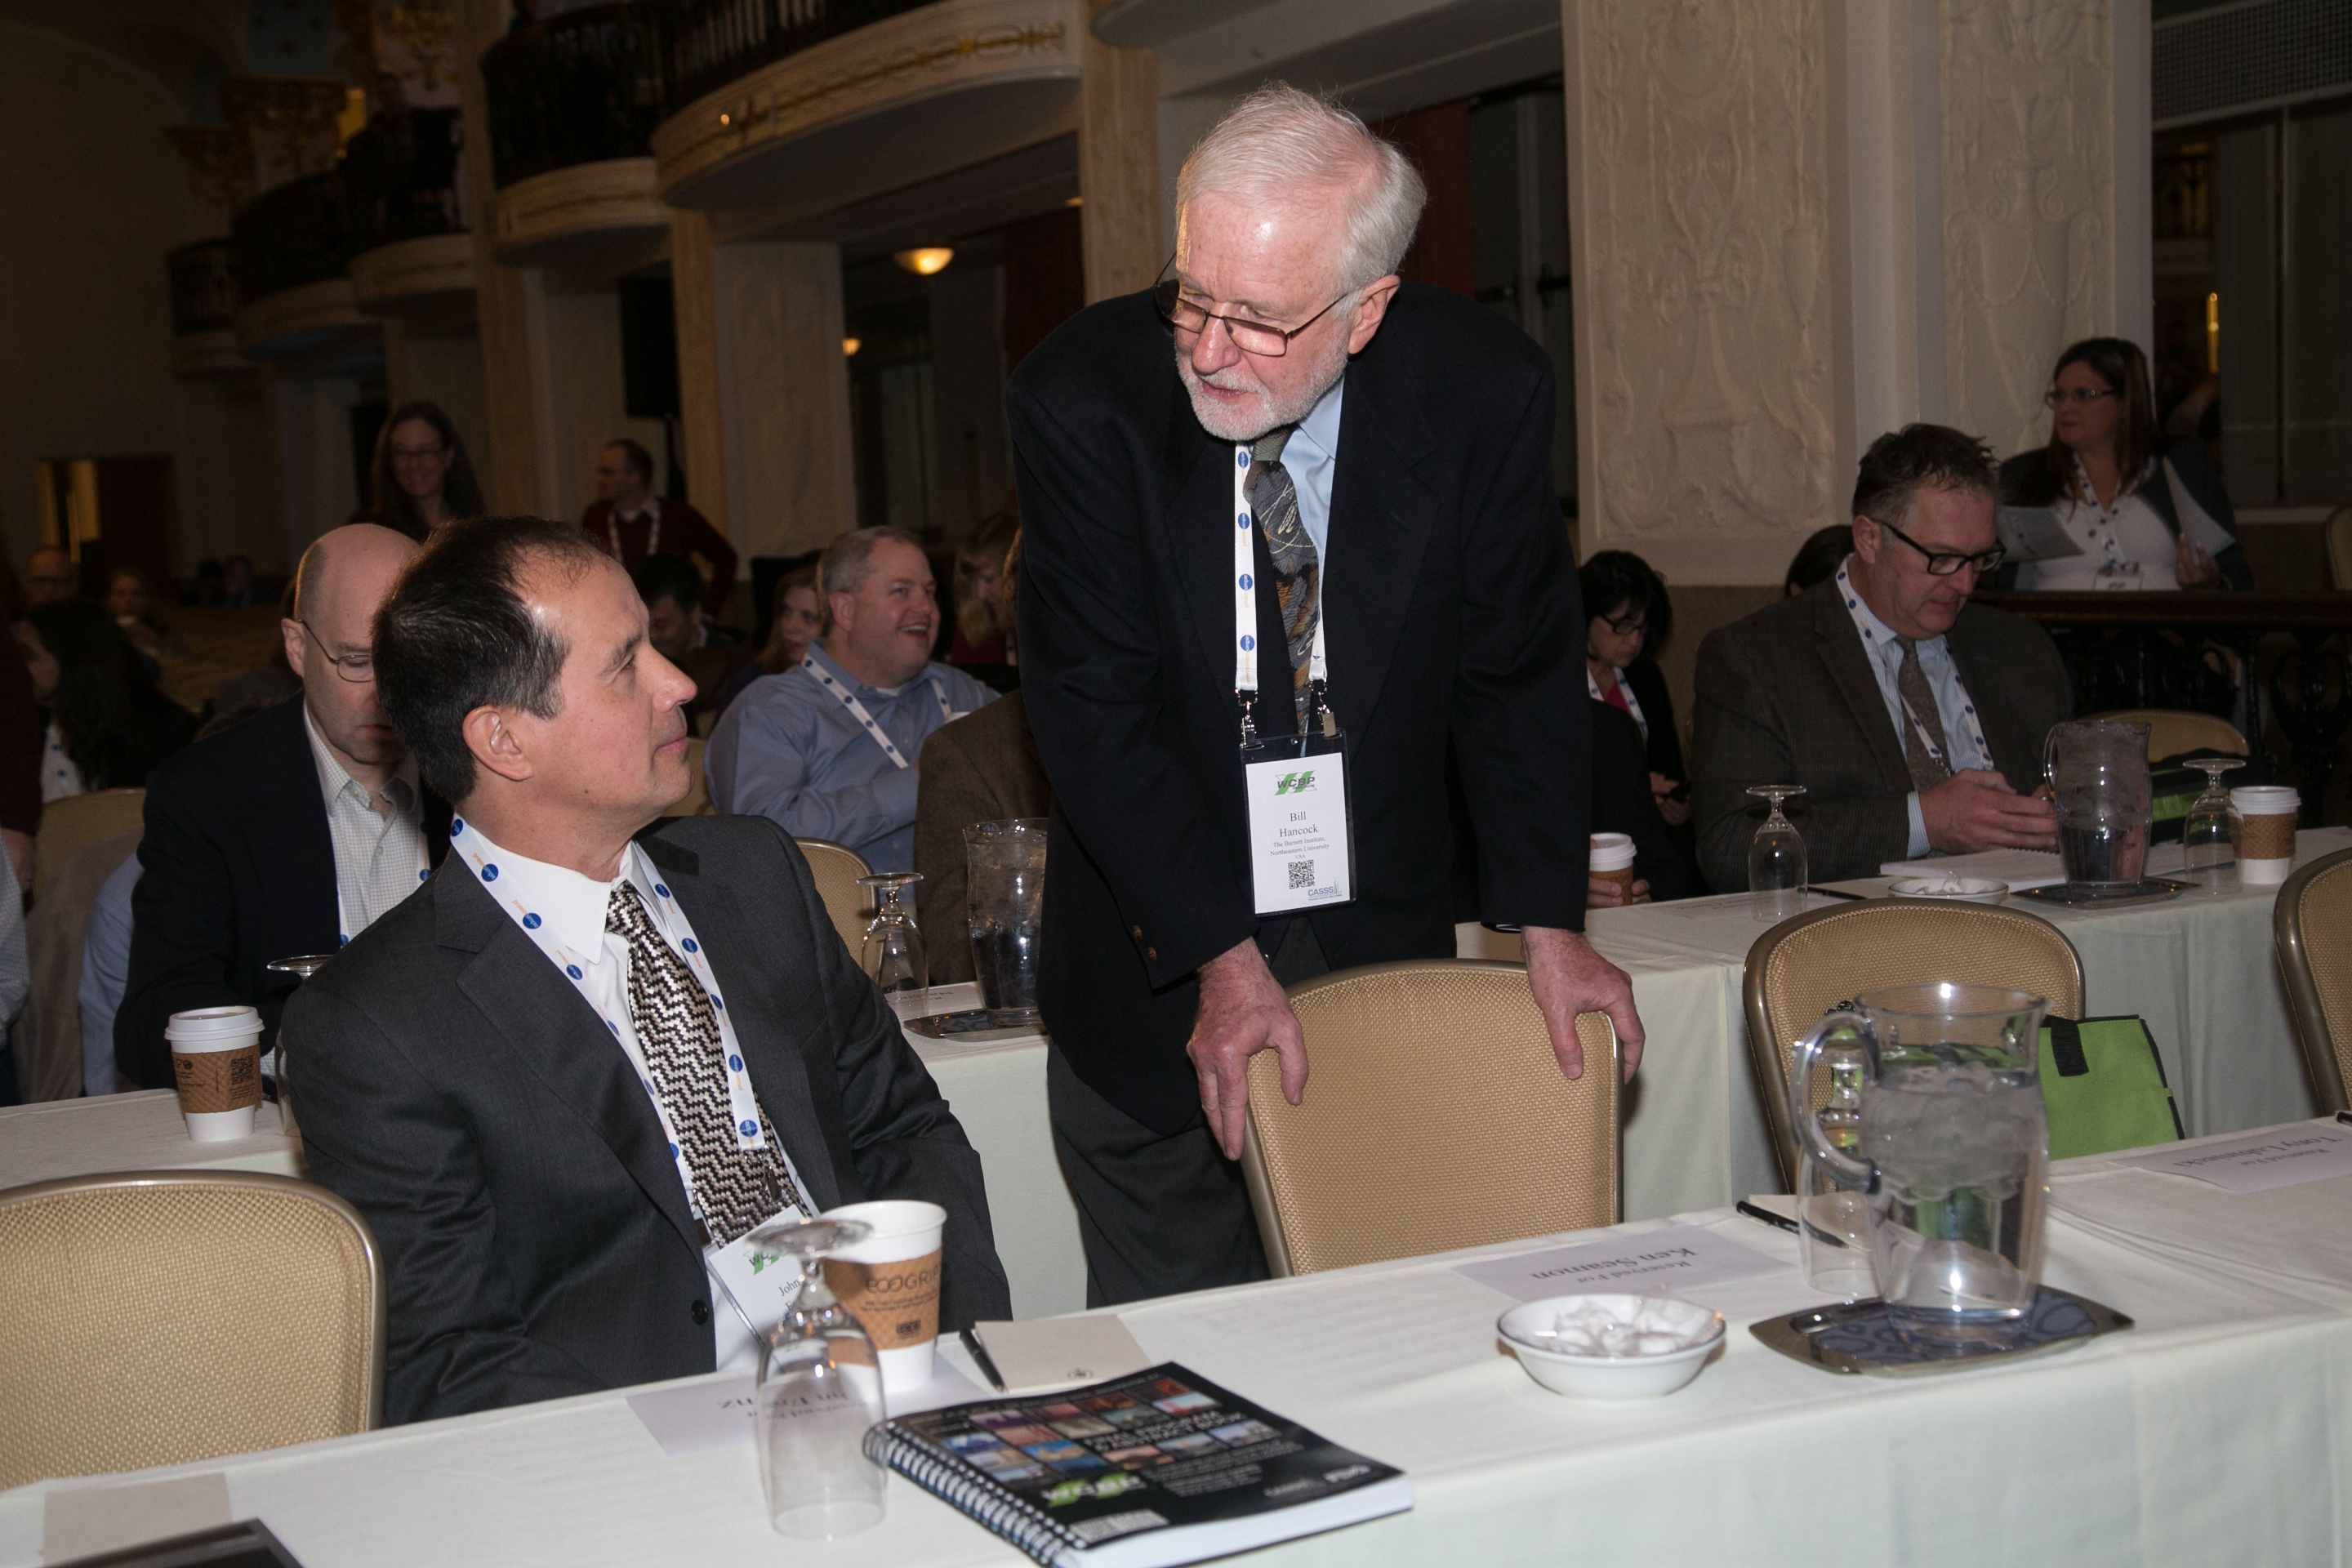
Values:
[(783, 395)]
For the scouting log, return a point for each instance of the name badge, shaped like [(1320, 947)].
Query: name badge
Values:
[(1302, 841), (756, 1287)]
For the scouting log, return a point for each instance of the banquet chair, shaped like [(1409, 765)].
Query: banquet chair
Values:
[(2338, 532), (837, 869), (1804, 966), (696, 802), (163, 1316), (1436, 1117), (78, 819), (2312, 925), (2172, 731)]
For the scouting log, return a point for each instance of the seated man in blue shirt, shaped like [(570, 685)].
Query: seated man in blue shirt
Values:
[(829, 750)]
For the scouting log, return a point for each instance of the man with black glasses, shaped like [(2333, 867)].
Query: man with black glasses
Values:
[(1913, 719)]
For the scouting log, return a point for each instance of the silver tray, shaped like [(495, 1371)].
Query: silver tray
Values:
[(2149, 890), (1856, 1337), (968, 1027)]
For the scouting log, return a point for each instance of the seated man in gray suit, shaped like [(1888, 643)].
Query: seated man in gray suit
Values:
[(1914, 718), (595, 1044)]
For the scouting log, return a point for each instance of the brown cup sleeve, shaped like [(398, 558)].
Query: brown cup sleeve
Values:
[(897, 1303), (214, 1082), (2267, 838)]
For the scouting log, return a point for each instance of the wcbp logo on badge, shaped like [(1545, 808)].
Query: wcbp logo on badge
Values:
[(1294, 783)]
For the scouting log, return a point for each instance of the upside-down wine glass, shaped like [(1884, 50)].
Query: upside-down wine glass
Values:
[(1775, 859), (892, 954), (819, 1393), (2207, 855)]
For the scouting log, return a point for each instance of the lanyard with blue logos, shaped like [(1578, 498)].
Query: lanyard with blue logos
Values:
[(1302, 838)]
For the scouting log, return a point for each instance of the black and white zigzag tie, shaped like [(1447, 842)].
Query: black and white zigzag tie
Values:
[(1298, 575), (735, 1188)]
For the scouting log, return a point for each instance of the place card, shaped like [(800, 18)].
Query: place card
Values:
[(1679, 1257), (2280, 1157), (698, 1417)]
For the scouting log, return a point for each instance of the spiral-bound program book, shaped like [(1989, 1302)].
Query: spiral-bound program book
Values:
[(1159, 1467)]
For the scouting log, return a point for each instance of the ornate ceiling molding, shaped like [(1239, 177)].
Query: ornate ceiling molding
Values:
[(412, 271), (570, 217)]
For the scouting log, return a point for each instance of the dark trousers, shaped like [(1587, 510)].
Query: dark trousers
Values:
[(1161, 1212)]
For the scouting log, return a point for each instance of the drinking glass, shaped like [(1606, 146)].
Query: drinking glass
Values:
[(2206, 854), (1777, 872), (893, 950), (1005, 905), (819, 1393), (1833, 1220), (302, 968)]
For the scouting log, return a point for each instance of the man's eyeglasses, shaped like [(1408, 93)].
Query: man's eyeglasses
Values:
[(359, 669), (2077, 395), (1945, 562), (1263, 339)]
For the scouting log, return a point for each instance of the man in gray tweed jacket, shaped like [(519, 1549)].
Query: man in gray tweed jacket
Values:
[(1914, 718)]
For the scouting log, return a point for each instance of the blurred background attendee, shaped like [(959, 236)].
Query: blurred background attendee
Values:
[(49, 575), (1629, 614), (21, 744), (1623, 802), (795, 620), (422, 478), (983, 768), (709, 655), (132, 599), (630, 523), (108, 725), (2134, 501), (983, 614), (236, 582), (1819, 557)]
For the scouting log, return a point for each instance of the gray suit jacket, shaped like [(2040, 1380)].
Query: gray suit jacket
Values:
[(459, 1091), (1786, 696)]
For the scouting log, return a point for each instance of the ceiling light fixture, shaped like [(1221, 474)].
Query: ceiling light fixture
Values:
[(849, 345), (924, 260)]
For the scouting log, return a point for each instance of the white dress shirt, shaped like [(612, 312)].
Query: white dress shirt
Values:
[(60, 777), (380, 855), (1963, 732)]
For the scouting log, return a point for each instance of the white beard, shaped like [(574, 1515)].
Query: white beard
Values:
[(1261, 413)]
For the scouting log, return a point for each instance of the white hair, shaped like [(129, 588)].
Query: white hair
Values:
[(1278, 139)]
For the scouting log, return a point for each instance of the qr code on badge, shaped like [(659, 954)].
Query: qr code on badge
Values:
[(1302, 874)]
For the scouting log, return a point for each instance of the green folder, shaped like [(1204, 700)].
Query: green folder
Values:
[(2104, 1084)]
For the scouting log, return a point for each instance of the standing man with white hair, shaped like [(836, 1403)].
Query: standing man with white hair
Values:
[(1278, 403)]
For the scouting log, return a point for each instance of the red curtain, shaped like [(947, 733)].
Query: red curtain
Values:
[(1044, 279), (1437, 140)]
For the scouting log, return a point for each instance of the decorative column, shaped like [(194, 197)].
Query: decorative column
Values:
[(1118, 166), (510, 466)]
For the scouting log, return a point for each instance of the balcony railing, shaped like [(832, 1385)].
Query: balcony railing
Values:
[(203, 288), (713, 42), (400, 177), (289, 237), (582, 87)]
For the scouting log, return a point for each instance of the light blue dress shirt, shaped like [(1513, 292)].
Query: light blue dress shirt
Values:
[(1311, 457), (1954, 706), (789, 750), (105, 971)]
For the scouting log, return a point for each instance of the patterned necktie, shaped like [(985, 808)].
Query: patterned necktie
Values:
[(1298, 576), (1929, 767), (735, 1188)]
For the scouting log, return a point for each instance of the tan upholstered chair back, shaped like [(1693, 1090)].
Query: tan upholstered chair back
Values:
[(2339, 545), (157, 1318), (2172, 731), (837, 869), (1802, 967), (697, 787), (2312, 922), (66, 825), (1436, 1117)]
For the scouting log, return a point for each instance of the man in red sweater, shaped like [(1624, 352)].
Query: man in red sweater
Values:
[(630, 523)]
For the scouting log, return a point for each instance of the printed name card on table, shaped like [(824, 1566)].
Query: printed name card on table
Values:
[(1679, 1257), (2280, 1157)]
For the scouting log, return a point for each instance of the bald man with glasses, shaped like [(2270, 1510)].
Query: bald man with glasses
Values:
[(1913, 719), (287, 834)]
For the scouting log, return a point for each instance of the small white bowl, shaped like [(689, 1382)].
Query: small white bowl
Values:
[(1951, 889), (1527, 1330)]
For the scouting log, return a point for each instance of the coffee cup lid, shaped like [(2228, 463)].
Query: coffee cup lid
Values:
[(213, 1024), (2265, 798), (1611, 851)]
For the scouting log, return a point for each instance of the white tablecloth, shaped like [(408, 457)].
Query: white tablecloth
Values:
[(2217, 1430)]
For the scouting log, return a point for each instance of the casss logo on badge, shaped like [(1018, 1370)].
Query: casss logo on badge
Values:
[(1294, 783)]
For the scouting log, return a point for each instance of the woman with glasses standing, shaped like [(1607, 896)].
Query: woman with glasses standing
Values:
[(423, 479), (2148, 514)]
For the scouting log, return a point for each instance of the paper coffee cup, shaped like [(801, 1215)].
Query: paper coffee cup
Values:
[(1611, 860), (890, 1283), (2261, 819), (216, 1065)]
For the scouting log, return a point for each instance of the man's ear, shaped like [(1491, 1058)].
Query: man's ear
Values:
[(1869, 539), (494, 745), (291, 632), (1372, 309), (840, 611)]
